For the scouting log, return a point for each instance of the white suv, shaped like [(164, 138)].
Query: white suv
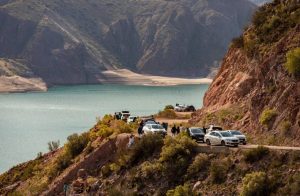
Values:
[(223, 138)]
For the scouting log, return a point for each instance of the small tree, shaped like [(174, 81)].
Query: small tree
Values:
[(53, 145), (255, 184), (293, 61)]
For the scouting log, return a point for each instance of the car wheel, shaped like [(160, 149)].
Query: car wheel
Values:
[(222, 143), (208, 142)]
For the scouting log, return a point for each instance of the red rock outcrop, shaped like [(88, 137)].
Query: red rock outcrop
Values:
[(253, 85)]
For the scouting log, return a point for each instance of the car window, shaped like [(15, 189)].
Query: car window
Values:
[(226, 134), (236, 133), (217, 128), (196, 130), (157, 127)]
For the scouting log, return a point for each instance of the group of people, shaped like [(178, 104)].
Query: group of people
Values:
[(176, 130)]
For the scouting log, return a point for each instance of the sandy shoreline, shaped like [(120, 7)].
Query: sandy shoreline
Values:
[(13, 84), (124, 76)]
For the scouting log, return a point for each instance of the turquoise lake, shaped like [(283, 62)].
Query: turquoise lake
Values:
[(28, 121)]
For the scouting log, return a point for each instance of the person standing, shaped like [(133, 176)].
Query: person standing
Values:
[(173, 130), (140, 131), (177, 130)]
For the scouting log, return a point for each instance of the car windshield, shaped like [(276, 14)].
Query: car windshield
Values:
[(195, 130), (150, 122), (217, 128), (157, 127), (236, 133), (226, 134)]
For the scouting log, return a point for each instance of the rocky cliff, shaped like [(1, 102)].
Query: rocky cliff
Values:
[(255, 90), (70, 42)]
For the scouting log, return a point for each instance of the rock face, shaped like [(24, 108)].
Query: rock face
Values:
[(250, 83), (71, 42)]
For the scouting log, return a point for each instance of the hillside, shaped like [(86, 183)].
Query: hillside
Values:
[(72, 42), (100, 163), (258, 87)]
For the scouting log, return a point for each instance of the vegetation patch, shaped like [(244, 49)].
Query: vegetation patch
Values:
[(285, 127), (292, 64), (256, 154), (181, 190), (267, 116), (255, 184), (225, 116)]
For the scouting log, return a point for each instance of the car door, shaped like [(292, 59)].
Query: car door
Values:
[(218, 139), (146, 129), (212, 138)]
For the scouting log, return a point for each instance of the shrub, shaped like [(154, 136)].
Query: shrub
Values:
[(256, 154), (285, 127), (148, 169), (145, 147), (167, 114), (199, 164), (62, 162), (169, 107), (180, 190), (106, 171), (76, 143), (255, 184), (218, 171), (238, 42), (293, 61), (267, 115), (39, 155), (53, 145), (176, 155)]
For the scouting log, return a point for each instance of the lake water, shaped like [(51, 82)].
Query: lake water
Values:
[(28, 121)]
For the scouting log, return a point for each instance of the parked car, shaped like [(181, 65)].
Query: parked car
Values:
[(242, 138), (154, 128), (214, 128), (196, 133), (150, 122), (224, 138), (125, 115), (131, 119), (184, 108)]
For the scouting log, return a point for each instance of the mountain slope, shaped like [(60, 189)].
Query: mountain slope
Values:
[(69, 42), (253, 90)]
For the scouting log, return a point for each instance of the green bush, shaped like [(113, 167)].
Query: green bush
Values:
[(176, 155), (148, 170), (218, 171), (293, 61), (53, 145), (144, 148), (180, 190), (267, 116), (238, 42), (76, 143), (62, 162), (255, 184), (255, 154), (200, 163), (169, 107), (285, 127), (168, 113), (106, 170)]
